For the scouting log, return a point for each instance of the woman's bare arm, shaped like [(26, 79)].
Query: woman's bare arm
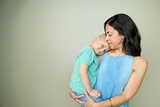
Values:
[(140, 66)]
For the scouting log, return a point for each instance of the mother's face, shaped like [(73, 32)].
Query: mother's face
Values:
[(113, 38)]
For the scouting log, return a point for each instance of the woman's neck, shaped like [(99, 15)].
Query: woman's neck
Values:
[(117, 52)]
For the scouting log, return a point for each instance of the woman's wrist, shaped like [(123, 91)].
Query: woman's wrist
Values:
[(95, 104)]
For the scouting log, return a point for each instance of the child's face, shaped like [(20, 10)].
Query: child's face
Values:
[(101, 46)]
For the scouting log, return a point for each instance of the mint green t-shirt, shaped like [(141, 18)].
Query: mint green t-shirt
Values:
[(86, 56)]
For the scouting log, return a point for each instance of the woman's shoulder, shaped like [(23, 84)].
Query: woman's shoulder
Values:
[(140, 62), (139, 59)]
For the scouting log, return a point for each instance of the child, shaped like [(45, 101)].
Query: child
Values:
[(86, 66)]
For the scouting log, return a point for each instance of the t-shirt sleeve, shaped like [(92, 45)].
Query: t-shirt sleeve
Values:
[(86, 56)]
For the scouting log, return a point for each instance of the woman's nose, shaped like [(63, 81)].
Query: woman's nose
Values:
[(107, 38)]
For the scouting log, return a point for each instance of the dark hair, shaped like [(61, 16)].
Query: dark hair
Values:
[(126, 27)]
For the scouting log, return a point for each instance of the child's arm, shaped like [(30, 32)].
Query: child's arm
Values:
[(86, 82), (84, 77)]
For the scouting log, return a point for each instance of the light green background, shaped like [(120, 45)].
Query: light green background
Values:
[(39, 40)]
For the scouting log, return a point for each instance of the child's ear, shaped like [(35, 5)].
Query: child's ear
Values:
[(97, 38)]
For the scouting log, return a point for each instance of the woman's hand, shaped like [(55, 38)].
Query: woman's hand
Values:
[(76, 98), (90, 102)]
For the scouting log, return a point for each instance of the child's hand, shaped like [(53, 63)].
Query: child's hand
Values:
[(95, 93)]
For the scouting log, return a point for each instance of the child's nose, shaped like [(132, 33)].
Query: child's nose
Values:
[(103, 50)]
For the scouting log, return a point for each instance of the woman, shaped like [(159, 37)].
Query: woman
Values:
[(121, 70)]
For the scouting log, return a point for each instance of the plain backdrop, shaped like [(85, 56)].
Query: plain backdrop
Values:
[(39, 40)]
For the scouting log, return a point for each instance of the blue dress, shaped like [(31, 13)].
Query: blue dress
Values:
[(113, 75)]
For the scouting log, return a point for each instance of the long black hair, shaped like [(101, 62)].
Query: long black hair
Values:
[(125, 26)]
